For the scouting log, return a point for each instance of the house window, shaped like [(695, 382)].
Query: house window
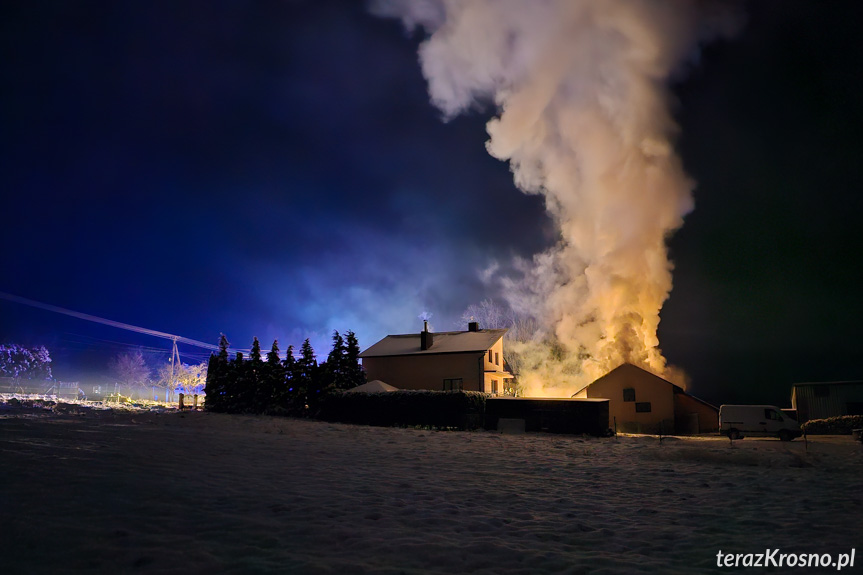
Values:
[(453, 384), (496, 358), (629, 394), (642, 407), (822, 391), (494, 386), (489, 356)]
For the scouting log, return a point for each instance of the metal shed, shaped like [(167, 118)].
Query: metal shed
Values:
[(818, 400)]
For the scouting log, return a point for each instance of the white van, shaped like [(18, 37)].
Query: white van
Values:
[(737, 421)]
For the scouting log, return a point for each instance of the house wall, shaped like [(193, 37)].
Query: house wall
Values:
[(493, 364), (648, 388), (693, 416), (826, 400), (428, 371)]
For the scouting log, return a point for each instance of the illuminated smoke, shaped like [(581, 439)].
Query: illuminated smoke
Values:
[(582, 117)]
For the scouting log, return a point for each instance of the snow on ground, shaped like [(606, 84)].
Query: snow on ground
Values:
[(106, 491)]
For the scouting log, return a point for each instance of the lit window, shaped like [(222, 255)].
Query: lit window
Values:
[(642, 407), (629, 394), (453, 384)]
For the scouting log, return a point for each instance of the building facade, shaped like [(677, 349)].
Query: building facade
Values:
[(827, 399), (641, 402), (469, 360)]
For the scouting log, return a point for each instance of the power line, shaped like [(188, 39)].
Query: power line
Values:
[(87, 317)]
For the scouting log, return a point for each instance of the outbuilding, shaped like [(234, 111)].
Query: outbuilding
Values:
[(641, 402), (819, 400)]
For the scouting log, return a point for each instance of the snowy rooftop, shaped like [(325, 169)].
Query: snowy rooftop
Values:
[(444, 342)]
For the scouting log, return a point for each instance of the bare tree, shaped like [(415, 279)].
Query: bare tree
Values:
[(489, 315), (130, 369)]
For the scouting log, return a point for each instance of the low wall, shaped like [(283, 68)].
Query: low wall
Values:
[(552, 415)]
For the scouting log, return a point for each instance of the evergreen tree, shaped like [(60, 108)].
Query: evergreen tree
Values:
[(212, 388), (353, 371), (271, 382), (288, 398), (235, 381), (217, 386), (248, 391), (331, 375), (306, 374), (255, 353), (223, 348)]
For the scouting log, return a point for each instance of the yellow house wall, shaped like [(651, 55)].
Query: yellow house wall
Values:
[(647, 388), (427, 371), (490, 365)]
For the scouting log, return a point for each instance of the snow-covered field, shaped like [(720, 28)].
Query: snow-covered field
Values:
[(105, 491)]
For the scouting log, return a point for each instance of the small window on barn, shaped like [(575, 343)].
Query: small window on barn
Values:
[(489, 356), (496, 358), (453, 384), (822, 391), (629, 394), (642, 407)]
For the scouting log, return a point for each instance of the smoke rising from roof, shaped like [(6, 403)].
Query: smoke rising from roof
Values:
[(580, 90)]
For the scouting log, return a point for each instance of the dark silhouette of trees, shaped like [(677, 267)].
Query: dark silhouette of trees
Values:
[(307, 376), (271, 382), (217, 375), (293, 386)]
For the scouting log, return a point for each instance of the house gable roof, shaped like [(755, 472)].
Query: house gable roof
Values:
[(635, 371), (444, 342)]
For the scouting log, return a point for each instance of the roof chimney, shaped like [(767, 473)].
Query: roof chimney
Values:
[(426, 337), (473, 326)]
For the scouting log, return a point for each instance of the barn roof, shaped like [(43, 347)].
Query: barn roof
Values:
[(444, 342), (640, 372), (828, 383)]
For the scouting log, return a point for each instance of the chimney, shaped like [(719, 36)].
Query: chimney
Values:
[(473, 326), (426, 337)]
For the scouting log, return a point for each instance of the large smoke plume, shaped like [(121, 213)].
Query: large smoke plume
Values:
[(580, 89)]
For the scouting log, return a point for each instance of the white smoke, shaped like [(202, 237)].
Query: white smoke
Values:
[(582, 117)]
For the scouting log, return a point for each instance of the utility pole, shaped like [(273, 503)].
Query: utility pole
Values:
[(175, 361)]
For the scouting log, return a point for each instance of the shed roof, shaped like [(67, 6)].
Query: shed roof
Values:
[(828, 383), (635, 371), (444, 342)]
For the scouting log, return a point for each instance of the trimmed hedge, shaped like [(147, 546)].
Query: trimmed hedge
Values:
[(435, 409), (840, 425)]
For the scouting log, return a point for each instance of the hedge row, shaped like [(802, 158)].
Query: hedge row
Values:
[(840, 425), (434, 409)]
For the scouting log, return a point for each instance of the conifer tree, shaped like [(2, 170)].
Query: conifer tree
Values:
[(235, 382), (212, 388), (287, 399), (217, 385), (307, 375), (223, 348), (354, 374), (255, 352), (332, 372), (272, 380)]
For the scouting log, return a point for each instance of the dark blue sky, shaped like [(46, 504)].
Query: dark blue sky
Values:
[(275, 169)]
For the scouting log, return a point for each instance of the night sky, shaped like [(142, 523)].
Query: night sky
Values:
[(275, 169)]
